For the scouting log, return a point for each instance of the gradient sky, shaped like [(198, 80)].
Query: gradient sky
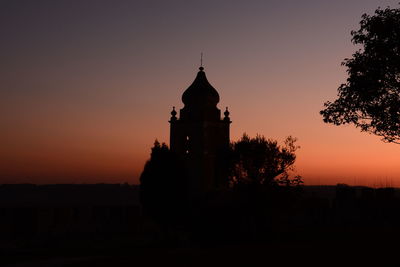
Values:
[(87, 86)]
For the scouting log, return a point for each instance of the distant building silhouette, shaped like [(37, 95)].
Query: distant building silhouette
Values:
[(200, 136)]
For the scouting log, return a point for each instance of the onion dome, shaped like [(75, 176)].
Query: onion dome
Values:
[(200, 92), (200, 101)]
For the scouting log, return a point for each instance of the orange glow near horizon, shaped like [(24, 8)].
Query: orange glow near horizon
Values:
[(84, 102)]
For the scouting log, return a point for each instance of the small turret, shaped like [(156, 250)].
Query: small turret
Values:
[(173, 114), (226, 113)]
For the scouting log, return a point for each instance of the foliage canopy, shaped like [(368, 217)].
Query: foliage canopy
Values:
[(370, 98), (162, 184), (260, 161)]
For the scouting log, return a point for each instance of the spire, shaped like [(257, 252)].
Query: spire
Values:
[(201, 62)]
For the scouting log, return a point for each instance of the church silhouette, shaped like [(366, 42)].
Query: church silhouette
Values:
[(200, 137)]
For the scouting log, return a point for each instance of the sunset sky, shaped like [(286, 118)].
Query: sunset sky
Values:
[(87, 86)]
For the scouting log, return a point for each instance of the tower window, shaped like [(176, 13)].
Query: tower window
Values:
[(187, 138)]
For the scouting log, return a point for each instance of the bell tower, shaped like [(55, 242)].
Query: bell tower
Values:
[(200, 136)]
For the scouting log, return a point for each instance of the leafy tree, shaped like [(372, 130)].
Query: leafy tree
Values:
[(370, 98), (262, 162), (162, 185)]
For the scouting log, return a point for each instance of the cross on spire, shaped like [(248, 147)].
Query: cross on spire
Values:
[(201, 62)]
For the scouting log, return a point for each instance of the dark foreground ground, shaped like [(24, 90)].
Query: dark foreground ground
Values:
[(312, 247), (102, 225)]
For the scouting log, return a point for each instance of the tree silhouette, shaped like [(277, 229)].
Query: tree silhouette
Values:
[(262, 162), (162, 185), (370, 99)]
